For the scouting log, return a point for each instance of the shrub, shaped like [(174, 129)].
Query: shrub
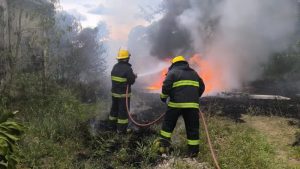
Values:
[(10, 133)]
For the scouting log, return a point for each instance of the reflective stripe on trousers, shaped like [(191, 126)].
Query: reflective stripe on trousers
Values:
[(165, 134), (120, 95), (112, 118), (193, 142), (122, 121)]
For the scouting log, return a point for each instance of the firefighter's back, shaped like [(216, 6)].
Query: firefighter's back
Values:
[(119, 77), (187, 86)]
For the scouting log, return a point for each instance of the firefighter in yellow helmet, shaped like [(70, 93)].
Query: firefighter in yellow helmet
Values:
[(184, 87), (121, 76)]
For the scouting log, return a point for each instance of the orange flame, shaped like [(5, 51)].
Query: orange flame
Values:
[(158, 83), (210, 73)]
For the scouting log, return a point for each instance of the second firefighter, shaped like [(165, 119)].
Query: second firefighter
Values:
[(122, 76), (184, 87)]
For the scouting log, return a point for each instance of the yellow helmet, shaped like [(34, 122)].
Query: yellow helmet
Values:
[(123, 54), (178, 59)]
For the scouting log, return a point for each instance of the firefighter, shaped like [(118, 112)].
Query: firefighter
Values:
[(121, 76), (183, 87)]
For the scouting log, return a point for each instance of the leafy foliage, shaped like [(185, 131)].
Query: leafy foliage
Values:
[(283, 65), (48, 46), (10, 133)]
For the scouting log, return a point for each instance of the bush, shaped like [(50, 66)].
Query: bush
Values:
[(10, 133)]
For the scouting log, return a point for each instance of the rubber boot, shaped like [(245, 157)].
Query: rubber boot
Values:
[(193, 151), (122, 128), (112, 125), (162, 146)]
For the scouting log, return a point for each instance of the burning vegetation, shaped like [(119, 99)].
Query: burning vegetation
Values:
[(55, 59), (210, 73)]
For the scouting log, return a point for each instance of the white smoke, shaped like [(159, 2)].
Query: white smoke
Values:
[(237, 37), (122, 16)]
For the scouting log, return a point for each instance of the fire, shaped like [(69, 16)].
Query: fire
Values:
[(210, 73), (158, 83)]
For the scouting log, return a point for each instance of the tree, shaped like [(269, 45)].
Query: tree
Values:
[(47, 47), (86, 64)]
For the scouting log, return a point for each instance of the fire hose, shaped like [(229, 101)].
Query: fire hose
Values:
[(213, 155), (161, 116), (135, 122)]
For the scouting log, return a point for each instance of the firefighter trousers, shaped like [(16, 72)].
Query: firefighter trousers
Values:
[(191, 120), (118, 116)]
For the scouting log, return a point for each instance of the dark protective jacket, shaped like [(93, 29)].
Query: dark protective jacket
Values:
[(183, 85), (121, 76)]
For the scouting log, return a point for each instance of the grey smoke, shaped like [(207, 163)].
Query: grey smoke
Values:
[(235, 36), (166, 35)]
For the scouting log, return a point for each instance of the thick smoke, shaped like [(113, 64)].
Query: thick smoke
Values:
[(167, 36), (234, 36)]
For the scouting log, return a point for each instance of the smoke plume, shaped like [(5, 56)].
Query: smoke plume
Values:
[(237, 37)]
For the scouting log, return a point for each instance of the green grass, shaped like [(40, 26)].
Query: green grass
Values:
[(280, 134), (240, 146), (58, 136), (237, 145), (123, 151), (55, 130), (295, 152)]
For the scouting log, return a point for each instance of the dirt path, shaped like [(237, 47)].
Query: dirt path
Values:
[(279, 133)]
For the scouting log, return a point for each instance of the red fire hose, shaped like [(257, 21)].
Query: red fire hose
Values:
[(136, 123), (160, 117), (212, 152)]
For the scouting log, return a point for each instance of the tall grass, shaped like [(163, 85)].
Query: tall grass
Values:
[(55, 132)]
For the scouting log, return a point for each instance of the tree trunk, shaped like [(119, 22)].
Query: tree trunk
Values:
[(9, 46), (14, 58), (45, 58), (19, 35), (5, 23), (5, 45), (3, 26)]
